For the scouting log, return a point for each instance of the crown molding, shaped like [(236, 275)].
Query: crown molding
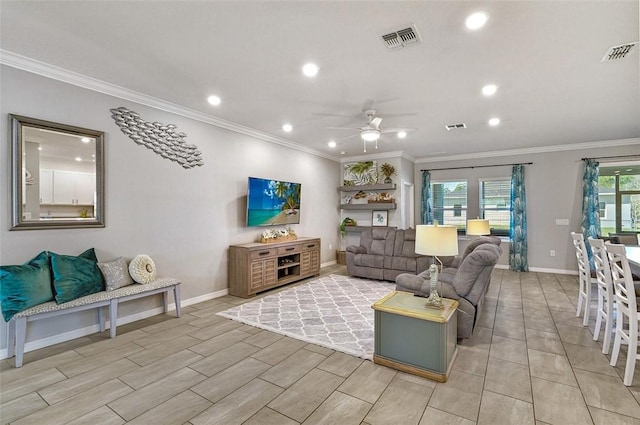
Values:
[(61, 74), (536, 150), (385, 155), (371, 157)]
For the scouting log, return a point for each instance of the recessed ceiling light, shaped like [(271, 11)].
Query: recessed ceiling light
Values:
[(310, 69), (342, 152), (402, 134), (489, 89), (78, 159), (494, 121), (332, 144), (85, 139), (476, 20), (287, 127), (214, 100), (39, 148)]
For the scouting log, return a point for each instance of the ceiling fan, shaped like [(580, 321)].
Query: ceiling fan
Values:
[(372, 131)]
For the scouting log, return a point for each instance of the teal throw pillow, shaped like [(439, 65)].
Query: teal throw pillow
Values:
[(24, 286), (75, 277)]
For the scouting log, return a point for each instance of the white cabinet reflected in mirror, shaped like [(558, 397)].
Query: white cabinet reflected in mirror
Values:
[(58, 175)]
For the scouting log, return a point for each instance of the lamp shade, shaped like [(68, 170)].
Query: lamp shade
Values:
[(478, 227), (436, 240)]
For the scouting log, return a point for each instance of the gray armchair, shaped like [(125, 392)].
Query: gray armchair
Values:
[(451, 264), (468, 285)]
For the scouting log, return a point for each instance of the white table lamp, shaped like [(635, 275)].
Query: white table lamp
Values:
[(436, 241), (478, 227)]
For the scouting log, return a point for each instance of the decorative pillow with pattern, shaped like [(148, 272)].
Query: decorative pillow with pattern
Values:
[(115, 273)]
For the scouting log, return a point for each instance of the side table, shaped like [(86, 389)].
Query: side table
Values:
[(413, 338)]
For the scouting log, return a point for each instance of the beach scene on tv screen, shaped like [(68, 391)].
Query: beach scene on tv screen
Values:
[(273, 202)]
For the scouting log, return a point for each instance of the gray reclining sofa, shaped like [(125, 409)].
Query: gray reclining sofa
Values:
[(384, 253)]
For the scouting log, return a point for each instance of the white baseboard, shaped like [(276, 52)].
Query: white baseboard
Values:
[(201, 298), (328, 263), (88, 330), (540, 269), (556, 271)]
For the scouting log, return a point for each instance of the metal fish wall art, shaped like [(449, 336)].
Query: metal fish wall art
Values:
[(165, 140)]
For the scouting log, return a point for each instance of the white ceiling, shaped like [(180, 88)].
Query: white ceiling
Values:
[(544, 56)]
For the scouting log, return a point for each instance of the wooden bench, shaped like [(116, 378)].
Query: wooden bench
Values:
[(18, 324)]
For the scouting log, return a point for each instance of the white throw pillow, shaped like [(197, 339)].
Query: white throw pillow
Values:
[(142, 269)]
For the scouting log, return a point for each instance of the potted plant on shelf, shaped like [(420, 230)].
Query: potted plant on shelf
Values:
[(348, 221), (387, 170), (341, 253)]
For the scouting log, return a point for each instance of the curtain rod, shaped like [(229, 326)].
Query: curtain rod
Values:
[(478, 166), (612, 157)]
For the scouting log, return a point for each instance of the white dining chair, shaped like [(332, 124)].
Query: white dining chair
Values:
[(584, 274), (606, 297), (627, 310)]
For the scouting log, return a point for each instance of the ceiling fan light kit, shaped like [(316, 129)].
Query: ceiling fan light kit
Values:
[(370, 134), (372, 131)]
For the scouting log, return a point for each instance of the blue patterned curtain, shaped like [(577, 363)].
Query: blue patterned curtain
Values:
[(518, 222), (590, 205), (426, 201)]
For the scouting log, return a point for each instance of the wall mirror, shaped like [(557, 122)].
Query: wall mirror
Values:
[(57, 175)]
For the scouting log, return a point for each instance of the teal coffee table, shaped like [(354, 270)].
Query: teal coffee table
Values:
[(413, 338)]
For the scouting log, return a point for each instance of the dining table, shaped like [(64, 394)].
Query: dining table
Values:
[(633, 254)]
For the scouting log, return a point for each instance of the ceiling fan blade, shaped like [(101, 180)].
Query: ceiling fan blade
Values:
[(368, 104), (395, 130), (348, 137), (407, 114), (344, 128), (322, 114)]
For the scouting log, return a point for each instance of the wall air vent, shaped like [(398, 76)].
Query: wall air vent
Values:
[(402, 38), (455, 126), (618, 52)]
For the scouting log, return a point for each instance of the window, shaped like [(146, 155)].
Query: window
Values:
[(495, 202), (619, 191), (450, 203), (602, 208)]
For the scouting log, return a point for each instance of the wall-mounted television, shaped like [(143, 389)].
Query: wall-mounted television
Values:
[(272, 202)]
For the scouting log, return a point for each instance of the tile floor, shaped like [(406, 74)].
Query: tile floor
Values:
[(529, 362)]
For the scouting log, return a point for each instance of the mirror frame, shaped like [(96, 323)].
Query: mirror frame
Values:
[(16, 122)]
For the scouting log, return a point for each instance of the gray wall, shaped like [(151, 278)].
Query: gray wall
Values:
[(184, 219), (554, 191)]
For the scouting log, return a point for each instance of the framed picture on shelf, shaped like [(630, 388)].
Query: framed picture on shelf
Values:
[(379, 218)]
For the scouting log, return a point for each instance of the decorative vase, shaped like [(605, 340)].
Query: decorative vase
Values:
[(387, 180)]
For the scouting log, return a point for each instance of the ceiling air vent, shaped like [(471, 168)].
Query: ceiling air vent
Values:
[(402, 38), (455, 126), (618, 52)]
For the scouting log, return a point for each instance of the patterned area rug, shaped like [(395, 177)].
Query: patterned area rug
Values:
[(332, 311)]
